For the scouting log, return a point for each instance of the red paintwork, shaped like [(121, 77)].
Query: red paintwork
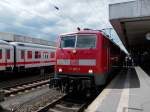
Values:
[(101, 54), (34, 62), (5, 64)]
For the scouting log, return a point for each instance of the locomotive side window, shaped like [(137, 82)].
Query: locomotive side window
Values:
[(68, 41), (86, 41), (8, 53), (0, 53), (22, 54), (29, 54)]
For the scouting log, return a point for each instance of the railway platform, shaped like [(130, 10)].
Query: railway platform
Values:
[(128, 92)]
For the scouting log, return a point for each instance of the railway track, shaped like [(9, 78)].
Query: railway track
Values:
[(24, 87), (12, 83), (65, 103)]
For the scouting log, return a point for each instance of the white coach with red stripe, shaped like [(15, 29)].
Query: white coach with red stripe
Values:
[(29, 55), (6, 56)]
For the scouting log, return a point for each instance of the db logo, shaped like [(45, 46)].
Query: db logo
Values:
[(74, 62)]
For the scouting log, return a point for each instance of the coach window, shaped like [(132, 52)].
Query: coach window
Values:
[(45, 56), (22, 54), (0, 53), (29, 54), (39, 54), (36, 54), (86, 41), (8, 53)]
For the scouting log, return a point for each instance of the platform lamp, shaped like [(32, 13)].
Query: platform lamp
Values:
[(147, 36)]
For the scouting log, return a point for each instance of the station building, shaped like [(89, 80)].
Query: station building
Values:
[(12, 37)]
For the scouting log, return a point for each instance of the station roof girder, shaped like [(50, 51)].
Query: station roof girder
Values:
[(131, 20)]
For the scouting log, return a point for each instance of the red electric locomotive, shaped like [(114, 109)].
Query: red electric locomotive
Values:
[(85, 58)]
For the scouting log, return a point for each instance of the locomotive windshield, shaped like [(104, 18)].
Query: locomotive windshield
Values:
[(86, 41), (68, 41), (78, 41)]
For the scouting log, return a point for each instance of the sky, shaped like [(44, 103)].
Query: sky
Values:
[(47, 19)]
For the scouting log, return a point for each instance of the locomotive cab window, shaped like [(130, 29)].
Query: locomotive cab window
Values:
[(68, 42), (86, 41)]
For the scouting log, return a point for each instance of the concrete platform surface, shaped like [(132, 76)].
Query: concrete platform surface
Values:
[(128, 92)]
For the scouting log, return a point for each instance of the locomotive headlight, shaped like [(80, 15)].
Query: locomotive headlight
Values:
[(90, 71), (74, 51), (60, 70)]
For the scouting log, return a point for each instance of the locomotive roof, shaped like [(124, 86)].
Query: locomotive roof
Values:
[(90, 31), (31, 45), (82, 32)]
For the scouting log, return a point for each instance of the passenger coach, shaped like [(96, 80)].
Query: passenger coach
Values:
[(32, 56)]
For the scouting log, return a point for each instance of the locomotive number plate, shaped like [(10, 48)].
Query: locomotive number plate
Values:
[(74, 62)]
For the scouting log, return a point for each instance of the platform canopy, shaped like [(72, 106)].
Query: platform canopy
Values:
[(131, 20)]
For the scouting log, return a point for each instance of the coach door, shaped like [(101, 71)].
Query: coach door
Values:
[(23, 58), (7, 59)]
